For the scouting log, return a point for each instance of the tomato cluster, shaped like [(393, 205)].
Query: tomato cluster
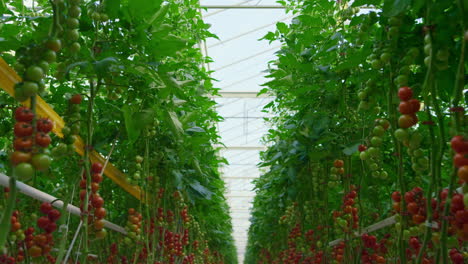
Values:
[(373, 154), (41, 244), (408, 108), (95, 201), (373, 251), (133, 226), (348, 217), (30, 143)]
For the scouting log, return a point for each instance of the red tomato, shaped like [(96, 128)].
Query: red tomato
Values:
[(46, 208), (96, 167), (94, 187), (405, 107), (42, 139), (396, 196), (44, 125), (43, 221), (97, 201), (54, 215), (23, 144), (413, 208), (23, 129), (362, 148), (459, 144), (24, 114), (460, 160), (415, 105), (97, 177), (405, 93)]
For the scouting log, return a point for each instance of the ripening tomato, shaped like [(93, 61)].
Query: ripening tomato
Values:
[(459, 144), (98, 224), (18, 157), (101, 234), (24, 114), (42, 139), (23, 129), (406, 121), (76, 99), (412, 207), (463, 173), (338, 163), (23, 144), (44, 125), (460, 160), (96, 167), (405, 93), (94, 187), (35, 251), (100, 213), (41, 161)]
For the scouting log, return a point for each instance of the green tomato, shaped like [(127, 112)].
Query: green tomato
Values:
[(34, 73), (74, 11), (465, 199), (30, 88), (378, 131), (385, 57), (374, 167), (24, 171), (376, 141), (376, 64), (427, 39), (73, 22), (373, 152), (418, 153), (423, 162), (44, 65), (427, 61), (383, 175), (375, 174), (362, 95), (363, 105), (393, 31), (405, 70), (413, 52), (401, 134), (401, 80), (75, 47), (395, 21), (406, 234), (364, 155), (427, 49), (73, 35), (41, 161)]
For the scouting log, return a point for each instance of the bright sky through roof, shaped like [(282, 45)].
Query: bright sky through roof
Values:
[(239, 64)]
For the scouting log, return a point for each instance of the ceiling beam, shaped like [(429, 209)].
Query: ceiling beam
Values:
[(243, 7)]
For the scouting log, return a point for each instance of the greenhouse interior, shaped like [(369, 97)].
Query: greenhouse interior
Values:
[(234, 131)]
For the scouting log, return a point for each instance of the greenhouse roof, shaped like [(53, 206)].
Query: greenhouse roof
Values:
[(239, 64)]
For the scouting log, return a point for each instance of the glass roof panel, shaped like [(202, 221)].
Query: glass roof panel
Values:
[(239, 64)]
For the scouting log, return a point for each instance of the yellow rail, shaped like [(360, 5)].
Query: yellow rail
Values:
[(8, 79)]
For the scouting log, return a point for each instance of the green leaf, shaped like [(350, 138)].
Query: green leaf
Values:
[(112, 8), (395, 7), (132, 131), (201, 190)]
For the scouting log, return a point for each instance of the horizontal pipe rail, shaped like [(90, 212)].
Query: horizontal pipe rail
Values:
[(44, 197)]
